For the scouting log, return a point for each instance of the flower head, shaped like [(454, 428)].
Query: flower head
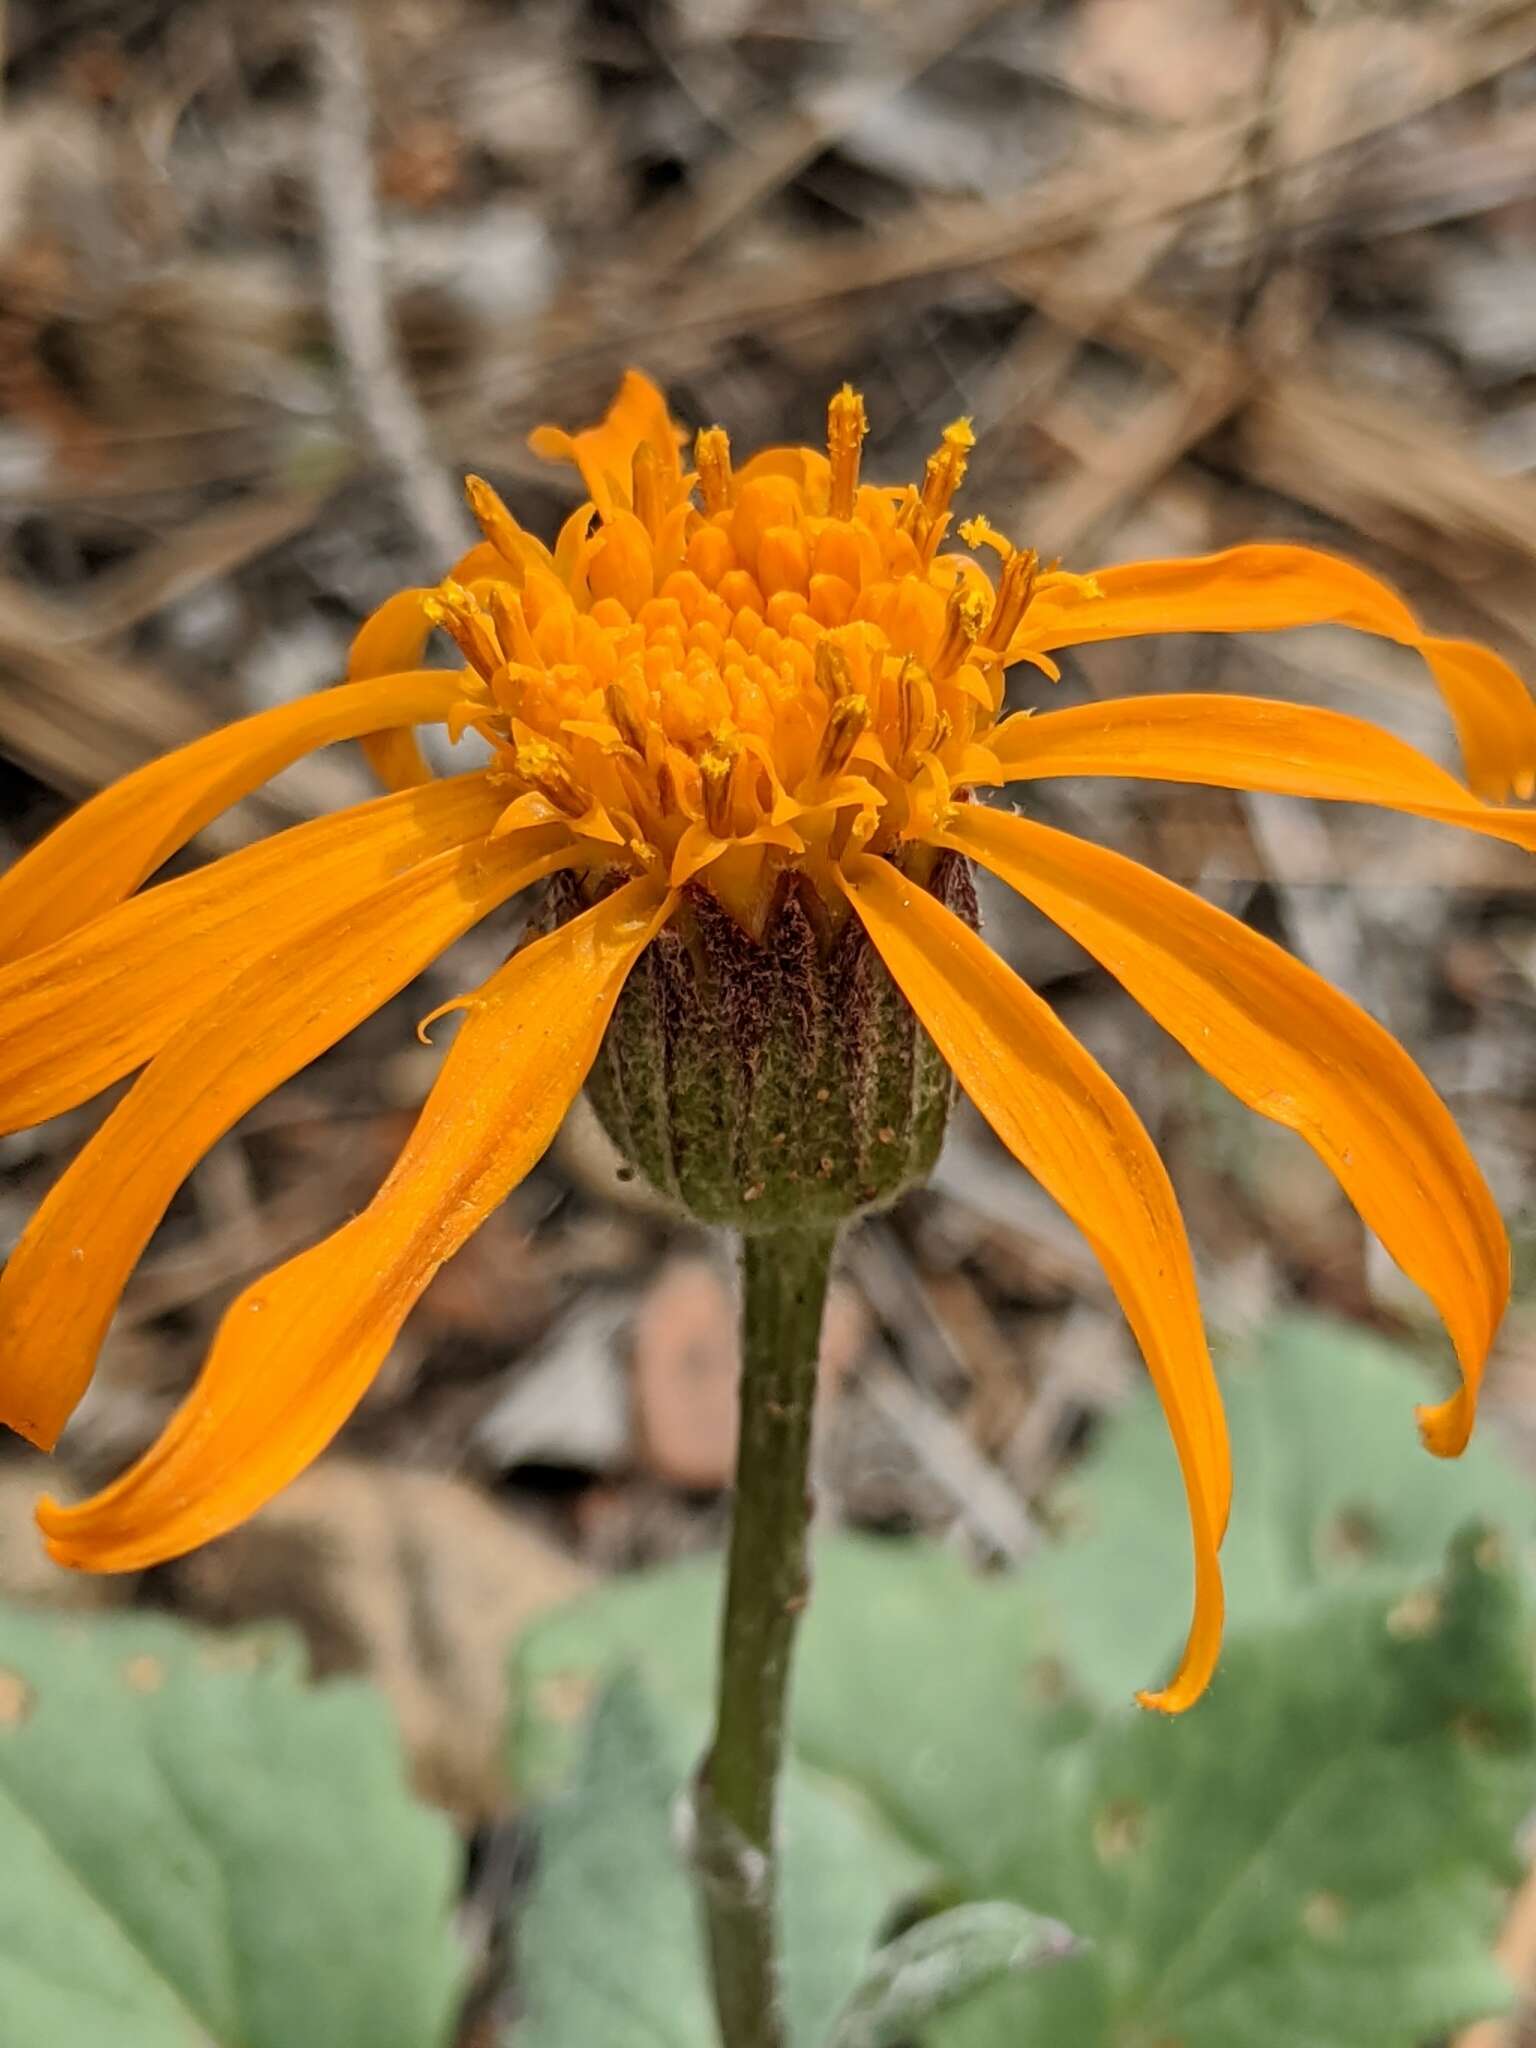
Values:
[(725, 689), (716, 676)]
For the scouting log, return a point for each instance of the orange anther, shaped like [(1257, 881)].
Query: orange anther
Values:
[(846, 721)]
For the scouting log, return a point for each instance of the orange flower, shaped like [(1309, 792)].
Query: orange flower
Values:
[(712, 679)]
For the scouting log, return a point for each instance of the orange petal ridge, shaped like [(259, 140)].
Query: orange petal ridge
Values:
[(1264, 588), (296, 1352), (1067, 1123), (101, 852), (62, 1282), (1296, 1050), (1250, 743), (94, 1005)]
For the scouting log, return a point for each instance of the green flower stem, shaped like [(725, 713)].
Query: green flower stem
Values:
[(784, 1286)]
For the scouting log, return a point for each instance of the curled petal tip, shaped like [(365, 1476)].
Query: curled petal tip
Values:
[(1191, 1681), (1445, 1427), (54, 1518)]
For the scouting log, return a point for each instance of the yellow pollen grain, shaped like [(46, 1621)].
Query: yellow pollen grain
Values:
[(541, 765)]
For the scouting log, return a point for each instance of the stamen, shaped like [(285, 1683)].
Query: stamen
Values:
[(945, 469), (963, 620), (717, 770), (834, 678), (459, 614), (496, 523), (1015, 588), (914, 710), (511, 624), (847, 425), (648, 490), (712, 459), (622, 712), (981, 533), (543, 767), (846, 721)]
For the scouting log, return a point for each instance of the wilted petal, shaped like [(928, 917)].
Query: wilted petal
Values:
[(295, 1353), (1293, 1048), (1064, 1120), (61, 1286), (1250, 743), (1263, 588), (81, 1013), (101, 852)]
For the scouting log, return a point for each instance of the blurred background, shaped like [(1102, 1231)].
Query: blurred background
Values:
[(273, 276)]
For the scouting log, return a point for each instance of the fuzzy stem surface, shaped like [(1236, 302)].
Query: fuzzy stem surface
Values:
[(784, 1287)]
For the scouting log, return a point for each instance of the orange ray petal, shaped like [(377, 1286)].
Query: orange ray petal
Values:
[(605, 453), (1067, 1123), (62, 1283), (1250, 743), (97, 1003), (391, 640), (296, 1352), (1294, 1049), (1264, 588), (102, 852)]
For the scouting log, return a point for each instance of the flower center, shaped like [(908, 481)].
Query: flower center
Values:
[(788, 668)]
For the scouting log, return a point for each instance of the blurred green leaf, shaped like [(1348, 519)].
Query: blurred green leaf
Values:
[(901, 1641), (1331, 1488), (1314, 1853), (941, 1962), (197, 1850), (608, 1946)]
